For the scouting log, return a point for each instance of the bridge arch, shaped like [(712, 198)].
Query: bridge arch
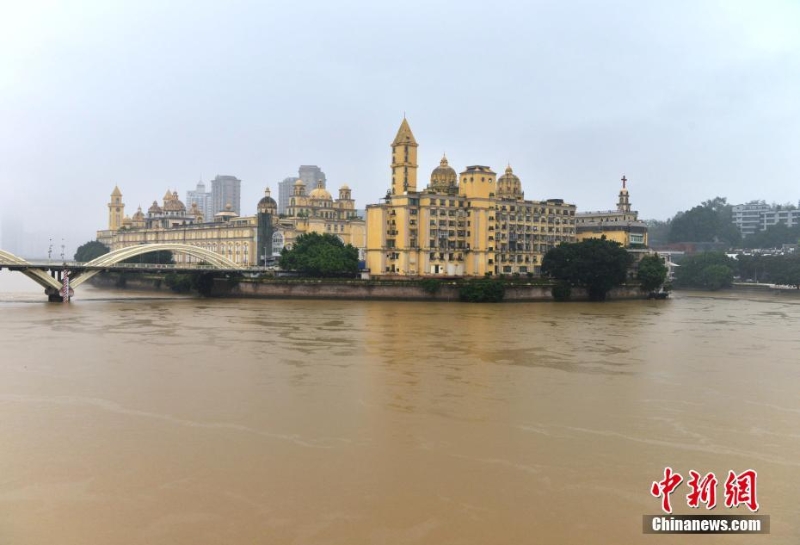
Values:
[(37, 275), (112, 258)]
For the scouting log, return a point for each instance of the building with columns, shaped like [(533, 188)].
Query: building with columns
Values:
[(246, 240), (470, 224)]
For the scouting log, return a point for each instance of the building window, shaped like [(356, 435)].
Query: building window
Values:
[(277, 243)]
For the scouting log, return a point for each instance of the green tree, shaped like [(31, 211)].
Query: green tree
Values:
[(320, 255), (595, 264), (752, 267), (91, 250), (784, 269), (707, 270), (716, 277), (657, 231), (712, 221), (430, 285), (652, 273), (773, 236), (482, 290)]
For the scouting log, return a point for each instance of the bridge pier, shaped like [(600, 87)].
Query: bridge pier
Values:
[(53, 295)]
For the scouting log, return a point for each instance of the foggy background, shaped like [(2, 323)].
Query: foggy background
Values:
[(689, 99)]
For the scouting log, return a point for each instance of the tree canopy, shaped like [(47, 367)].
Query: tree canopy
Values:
[(773, 269), (773, 236), (317, 254), (482, 290), (90, 250), (707, 270), (596, 264), (712, 221), (652, 273), (657, 231)]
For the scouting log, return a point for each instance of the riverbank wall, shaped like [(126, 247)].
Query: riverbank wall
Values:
[(398, 290), (345, 289), (766, 288)]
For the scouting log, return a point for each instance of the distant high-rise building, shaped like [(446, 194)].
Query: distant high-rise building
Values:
[(311, 175), (285, 189), (202, 199), (226, 190)]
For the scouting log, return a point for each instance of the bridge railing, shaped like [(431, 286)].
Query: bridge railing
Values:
[(140, 266)]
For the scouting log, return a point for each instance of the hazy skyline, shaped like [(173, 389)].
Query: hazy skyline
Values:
[(691, 100)]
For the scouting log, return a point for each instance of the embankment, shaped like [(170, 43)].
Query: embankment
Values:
[(383, 290)]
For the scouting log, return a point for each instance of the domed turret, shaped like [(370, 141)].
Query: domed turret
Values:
[(509, 185), (267, 204), (226, 214), (154, 209), (345, 193), (138, 219), (139, 215), (173, 203), (443, 178), (196, 213), (320, 193)]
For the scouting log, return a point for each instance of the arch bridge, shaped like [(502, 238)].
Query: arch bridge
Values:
[(52, 278)]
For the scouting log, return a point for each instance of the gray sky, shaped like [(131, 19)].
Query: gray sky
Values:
[(690, 99)]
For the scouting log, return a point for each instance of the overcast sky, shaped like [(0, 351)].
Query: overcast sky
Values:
[(690, 99)]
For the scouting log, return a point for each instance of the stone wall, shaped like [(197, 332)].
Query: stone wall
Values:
[(352, 289), (311, 289)]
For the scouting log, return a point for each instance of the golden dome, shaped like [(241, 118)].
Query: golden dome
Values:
[(345, 187), (509, 185), (139, 215), (267, 203), (320, 193), (173, 203), (154, 208), (299, 182), (443, 177)]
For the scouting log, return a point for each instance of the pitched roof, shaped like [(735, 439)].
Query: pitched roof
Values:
[(404, 135)]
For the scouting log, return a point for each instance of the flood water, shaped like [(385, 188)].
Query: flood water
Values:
[(132, 419)]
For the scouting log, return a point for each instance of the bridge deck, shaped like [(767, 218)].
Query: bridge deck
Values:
[(74, 266)]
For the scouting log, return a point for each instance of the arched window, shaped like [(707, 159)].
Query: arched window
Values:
[(277, 243)]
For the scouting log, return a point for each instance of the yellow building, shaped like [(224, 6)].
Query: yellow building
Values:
[(472, 224), (621, 225), (319, 212), (246, 240)]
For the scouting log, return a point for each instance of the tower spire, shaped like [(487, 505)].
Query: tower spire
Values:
[(404, 160), (624, 203)]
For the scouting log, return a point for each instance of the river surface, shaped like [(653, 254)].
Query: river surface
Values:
[(128, 418)]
